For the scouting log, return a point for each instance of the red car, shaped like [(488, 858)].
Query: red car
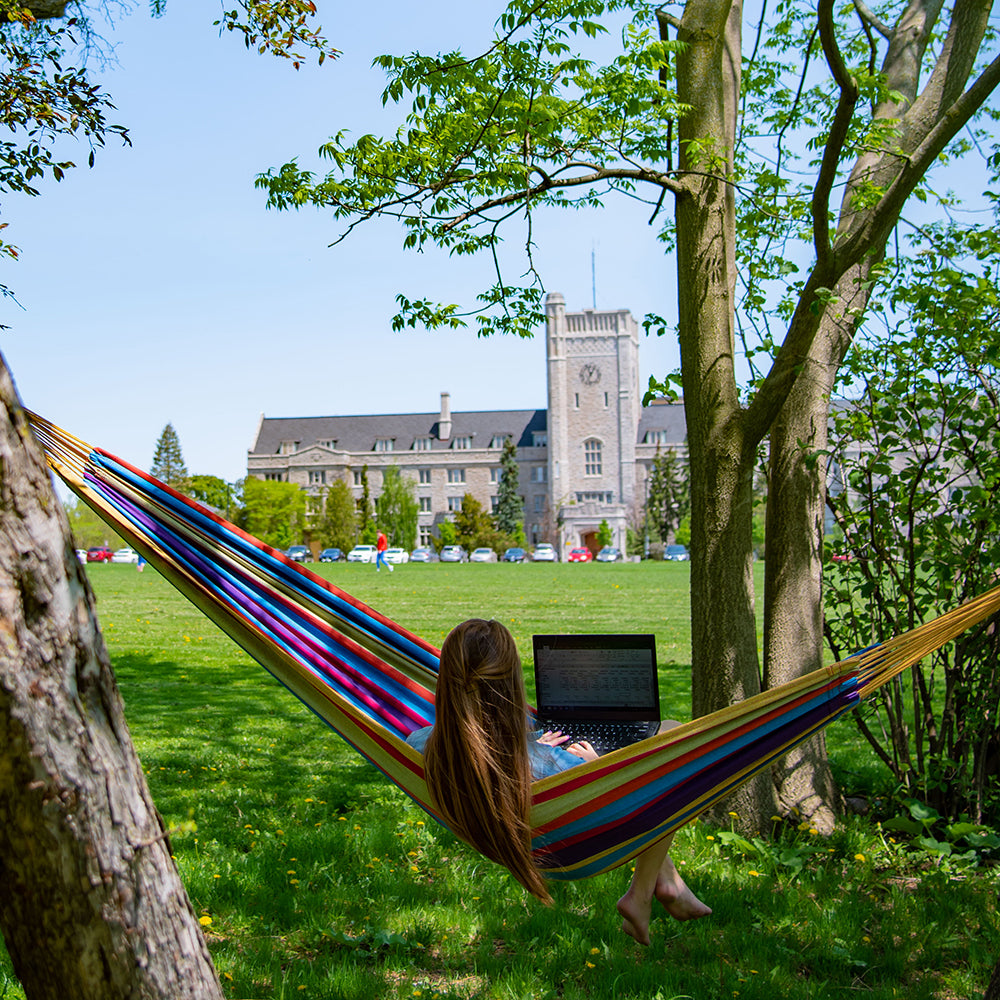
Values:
[(580, 555), (100, 553)]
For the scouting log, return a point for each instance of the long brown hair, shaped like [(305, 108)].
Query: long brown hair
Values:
[(476, 758)]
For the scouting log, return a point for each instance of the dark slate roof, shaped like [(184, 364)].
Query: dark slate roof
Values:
[(663, 415), (359, 433)]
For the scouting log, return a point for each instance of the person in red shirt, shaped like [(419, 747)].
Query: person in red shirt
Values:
[(381, 544)]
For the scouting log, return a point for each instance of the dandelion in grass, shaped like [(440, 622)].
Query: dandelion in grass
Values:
[(595, 951), (205, 921), (859, 857), (590, 965)]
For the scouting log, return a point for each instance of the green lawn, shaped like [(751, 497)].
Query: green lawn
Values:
[(318, 878)]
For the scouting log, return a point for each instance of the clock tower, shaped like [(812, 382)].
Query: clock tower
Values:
[(594, 407)]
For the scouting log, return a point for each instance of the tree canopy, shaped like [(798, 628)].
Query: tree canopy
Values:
[(753, 124)]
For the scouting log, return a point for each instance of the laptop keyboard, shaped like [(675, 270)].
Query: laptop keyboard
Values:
[(603, 737)]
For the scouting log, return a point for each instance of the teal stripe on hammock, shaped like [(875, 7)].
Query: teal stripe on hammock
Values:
[(282, 628), (630, 803), (265, 561)]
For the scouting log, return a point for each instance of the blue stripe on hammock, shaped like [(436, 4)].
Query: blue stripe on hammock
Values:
[(272, 567), (274, 619), (662, 810)]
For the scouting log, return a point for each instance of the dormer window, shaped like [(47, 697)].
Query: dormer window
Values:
[(540, 439), (423, 443), (497, 440), (288, 447), (462, 443), (384, 444), (331, 444), (657, 437)]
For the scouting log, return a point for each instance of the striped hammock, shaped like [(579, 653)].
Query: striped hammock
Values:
[(373, 681)]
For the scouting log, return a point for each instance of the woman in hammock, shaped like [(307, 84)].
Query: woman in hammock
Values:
[(480, 760)]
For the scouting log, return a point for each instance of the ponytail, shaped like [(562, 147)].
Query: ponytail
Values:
[(476, 758)]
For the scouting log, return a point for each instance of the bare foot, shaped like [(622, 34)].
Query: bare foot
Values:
[(635, 913), (677, 899)]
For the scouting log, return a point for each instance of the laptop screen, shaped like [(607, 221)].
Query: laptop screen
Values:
[(597, 677)]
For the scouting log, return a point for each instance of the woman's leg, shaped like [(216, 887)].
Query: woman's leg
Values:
[(656, 875)]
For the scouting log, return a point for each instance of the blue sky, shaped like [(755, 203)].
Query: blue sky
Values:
[(157, 288)]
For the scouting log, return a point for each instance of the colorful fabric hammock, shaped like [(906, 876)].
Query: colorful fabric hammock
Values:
[(373, 681)]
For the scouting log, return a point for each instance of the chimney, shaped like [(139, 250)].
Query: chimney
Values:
[(444, 421)]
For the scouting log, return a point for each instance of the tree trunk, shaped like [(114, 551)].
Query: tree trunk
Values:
[(725, 666), (92, 905)]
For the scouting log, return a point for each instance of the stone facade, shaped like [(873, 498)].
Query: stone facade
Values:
[(582, 461)]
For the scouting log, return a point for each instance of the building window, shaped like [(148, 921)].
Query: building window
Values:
[(317, 477), (496, 475), (605, 401), (592, 457), (540, 439), (462, 443), (456, 475), (358, 478), (314, 506), (327, 444), (494, 503), (576, 400), (539, 473), (383, 444), (497, 440), (288, 447), (595, 497), (274, 477), (454, 504), (539, 503), (657, 437), (424, 476), (425, 505), (422, 444)]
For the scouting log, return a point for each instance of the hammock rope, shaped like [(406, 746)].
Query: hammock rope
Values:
[(372, 681)]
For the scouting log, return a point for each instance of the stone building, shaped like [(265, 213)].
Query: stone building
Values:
[(582, 460)]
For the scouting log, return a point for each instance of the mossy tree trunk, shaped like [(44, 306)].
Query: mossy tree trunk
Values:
[(92, 905)]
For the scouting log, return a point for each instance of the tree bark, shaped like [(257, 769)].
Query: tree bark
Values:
[(92, 905), (793, 622), (725, 666)]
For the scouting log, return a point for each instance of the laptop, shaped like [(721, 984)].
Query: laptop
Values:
[(599, 688)]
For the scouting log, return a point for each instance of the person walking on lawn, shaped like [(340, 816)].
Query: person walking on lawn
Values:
[(381, 544)]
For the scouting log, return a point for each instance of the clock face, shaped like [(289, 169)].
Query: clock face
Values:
[(590, 374)]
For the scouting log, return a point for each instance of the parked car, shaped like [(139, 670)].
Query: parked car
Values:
[(676, 553), (125, 556), (580, 555), (454, 553), (609, 554), (423, 554), (515, 555), (100, 553), (544, 552), (331, 555), (483, 555), (396, 555), (300, 553), (362, 553)]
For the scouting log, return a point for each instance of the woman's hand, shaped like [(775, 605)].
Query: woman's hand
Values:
[(581, 749), (552, 739)]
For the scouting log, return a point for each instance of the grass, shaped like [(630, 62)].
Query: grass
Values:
[(315, 877)]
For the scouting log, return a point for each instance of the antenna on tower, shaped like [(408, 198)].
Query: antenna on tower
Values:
[(593, 275)]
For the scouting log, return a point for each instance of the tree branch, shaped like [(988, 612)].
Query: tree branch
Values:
[(869, 18), (838, 133)]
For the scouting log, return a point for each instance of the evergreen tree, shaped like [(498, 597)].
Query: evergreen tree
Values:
[(509, 514), (365, 522), (168, 462), (397, 508), (669, 499)]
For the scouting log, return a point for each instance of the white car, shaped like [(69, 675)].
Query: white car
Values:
[(362, 553), (483, 555), (544, 553), (125, 556), (81, 554), (397, 555)]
